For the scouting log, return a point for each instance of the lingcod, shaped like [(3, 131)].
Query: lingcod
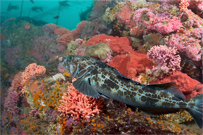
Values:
[(95, 78)]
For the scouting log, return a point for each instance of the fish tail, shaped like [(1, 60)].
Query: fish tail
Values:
[(197, 111)]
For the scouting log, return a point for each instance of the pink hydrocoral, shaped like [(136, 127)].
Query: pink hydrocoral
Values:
[(66, 35), (61, 31), (78, 105), (108, 57), (10, 103), (193, 20), (124, 16), (31, 70), (12, 54), (197, 32), (45, 48), (165, 57), (138, 15), (34, 113), (79, 41), (54, 26), (17, 87), (77, 32), (185, 43), (183, 5), (200, 6), (65, 39), (163, 23), (34, 69), (48, 29), (16, 83)]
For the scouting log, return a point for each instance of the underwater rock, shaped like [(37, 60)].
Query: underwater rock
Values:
[(71, 47), (108, 16), (153, 39), (98, 51), (135, 31), (48, 29)]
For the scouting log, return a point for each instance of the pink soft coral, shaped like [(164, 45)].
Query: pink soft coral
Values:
[(78, 105)]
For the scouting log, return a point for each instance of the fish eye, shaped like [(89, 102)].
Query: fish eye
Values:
[(70, 57)]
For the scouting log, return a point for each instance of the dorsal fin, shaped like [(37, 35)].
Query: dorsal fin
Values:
[(169, 87), (162, 85)]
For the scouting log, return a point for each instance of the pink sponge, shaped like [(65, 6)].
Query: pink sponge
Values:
[(119, 45), (132, 65), (190, 87)]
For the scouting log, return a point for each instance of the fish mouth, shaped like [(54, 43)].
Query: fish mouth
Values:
[(61, 69)]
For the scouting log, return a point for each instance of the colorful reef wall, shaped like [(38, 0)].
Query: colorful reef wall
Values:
[(149, 42)]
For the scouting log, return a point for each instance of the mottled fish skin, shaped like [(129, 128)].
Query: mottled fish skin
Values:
[(106, 80)]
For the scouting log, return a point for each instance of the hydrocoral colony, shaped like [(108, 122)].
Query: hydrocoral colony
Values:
[(146, 20), (18, 87), (76, 104), (166, 59)]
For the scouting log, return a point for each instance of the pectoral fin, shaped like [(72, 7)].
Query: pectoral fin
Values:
[(83, 85)]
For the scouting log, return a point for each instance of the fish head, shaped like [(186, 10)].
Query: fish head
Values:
[(73, 64)]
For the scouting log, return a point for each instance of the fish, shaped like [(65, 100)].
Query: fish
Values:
[(12, 7), (95, 78), (56, 17), (192, 68), (32, 1), (37, 9), (64, 3)]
